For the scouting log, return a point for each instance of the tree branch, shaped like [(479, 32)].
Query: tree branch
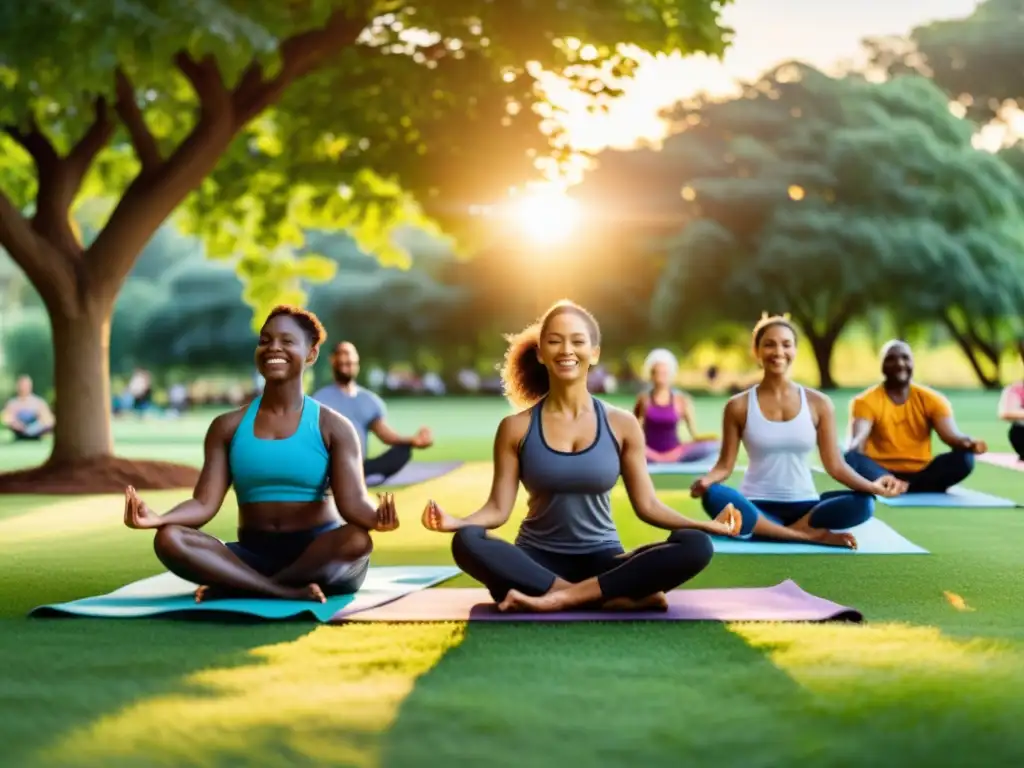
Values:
[(51, 271), (60, 178), (131, 116), (80, 158), (205, 78), (300, 54), (35, 143)]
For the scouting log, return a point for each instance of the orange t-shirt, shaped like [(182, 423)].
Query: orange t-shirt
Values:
[(901, 435)]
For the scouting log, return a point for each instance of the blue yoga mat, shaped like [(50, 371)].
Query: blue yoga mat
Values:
[(954, 497), (166, 594), (873, 538), (701, 467)]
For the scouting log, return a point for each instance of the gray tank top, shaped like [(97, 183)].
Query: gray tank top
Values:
[(569, 494)]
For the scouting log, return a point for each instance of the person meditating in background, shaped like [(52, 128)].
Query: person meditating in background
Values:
[(780, 423), (367, 413), (281, 452), (569, 449), (1011, 408), (660, 410), (26, 414), (891, 428)]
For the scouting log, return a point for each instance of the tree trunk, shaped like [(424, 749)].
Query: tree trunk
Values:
[(970, 353), (823, 346), (82, 383)]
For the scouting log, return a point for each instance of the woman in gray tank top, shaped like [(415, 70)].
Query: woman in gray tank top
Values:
[(780, 423), (568, 449)]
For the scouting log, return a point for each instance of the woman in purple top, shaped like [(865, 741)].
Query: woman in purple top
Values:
[(661, 409)]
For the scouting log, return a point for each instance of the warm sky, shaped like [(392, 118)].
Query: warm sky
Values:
[(820, 32)]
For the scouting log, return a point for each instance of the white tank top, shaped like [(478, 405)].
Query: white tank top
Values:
[(777, 451)]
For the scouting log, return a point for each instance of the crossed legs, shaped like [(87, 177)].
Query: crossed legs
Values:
[(335, 562), (541, 581), (814, 521)]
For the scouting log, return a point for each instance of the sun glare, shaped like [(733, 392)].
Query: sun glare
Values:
[(546, 218)]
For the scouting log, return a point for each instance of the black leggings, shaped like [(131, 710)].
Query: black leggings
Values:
[(389, 462), (1017, 439), (659, 567)]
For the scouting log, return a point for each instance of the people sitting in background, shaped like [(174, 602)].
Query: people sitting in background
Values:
[(891, 428), (368, 413), (661, 409), (1011, 408), (26, 414), (779, 423)]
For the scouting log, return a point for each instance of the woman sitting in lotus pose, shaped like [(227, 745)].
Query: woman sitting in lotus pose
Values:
[(780, 423), (569, 450), (282, 453), (661, 409)]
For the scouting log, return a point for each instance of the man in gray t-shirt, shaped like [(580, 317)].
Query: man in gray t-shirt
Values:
[(367, 413)]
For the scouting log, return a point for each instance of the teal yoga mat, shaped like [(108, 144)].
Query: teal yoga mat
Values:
[(954, 497), (874, 537), (166, 594)]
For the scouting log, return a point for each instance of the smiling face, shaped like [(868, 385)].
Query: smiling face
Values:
[(283, 350), (776, 349), (345, 363), (897, 363), (566, 347)]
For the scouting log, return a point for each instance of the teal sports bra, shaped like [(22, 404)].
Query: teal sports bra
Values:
[(296, 468)]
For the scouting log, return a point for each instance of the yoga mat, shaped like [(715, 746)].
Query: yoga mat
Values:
[(873, 538), (783, 602), (1005, 460), (166, 594), (954, 497), (413, 473), (701, 467)]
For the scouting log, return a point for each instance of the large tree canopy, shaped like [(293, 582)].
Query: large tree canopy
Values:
[(976, 59), (827, 196), (264, 118)]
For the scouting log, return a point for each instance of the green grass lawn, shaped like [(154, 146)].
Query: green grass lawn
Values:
[(926, 681)]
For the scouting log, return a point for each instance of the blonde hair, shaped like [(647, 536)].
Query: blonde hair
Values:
[(767, 321)]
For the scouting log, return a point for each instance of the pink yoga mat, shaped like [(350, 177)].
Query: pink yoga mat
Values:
[(783, 602), (1007, 460)]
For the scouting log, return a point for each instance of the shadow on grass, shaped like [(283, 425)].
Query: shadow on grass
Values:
[(72, 673), (711, 694)]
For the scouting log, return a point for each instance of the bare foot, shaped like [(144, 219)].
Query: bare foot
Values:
[(206, 593), (516, 601), (833, 538), (655, 602), (309, 592)]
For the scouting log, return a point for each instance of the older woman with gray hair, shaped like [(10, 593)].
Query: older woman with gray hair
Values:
[(661, 408)]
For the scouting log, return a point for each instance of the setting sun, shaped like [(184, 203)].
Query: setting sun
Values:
[(547, 218)]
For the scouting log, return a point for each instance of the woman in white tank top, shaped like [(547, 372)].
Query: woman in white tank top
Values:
[(779, 424)]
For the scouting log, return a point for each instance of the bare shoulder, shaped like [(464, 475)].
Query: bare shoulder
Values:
[(336, 429), (224, 426), (818, 399), (736, 406), (513, 428), (622, 422)]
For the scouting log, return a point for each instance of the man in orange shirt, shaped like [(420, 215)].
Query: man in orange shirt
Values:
[(891, 428)]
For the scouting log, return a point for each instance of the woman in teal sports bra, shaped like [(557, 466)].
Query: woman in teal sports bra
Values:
[(282, 453)]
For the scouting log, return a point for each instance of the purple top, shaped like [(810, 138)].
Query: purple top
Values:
[(661, 425)]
